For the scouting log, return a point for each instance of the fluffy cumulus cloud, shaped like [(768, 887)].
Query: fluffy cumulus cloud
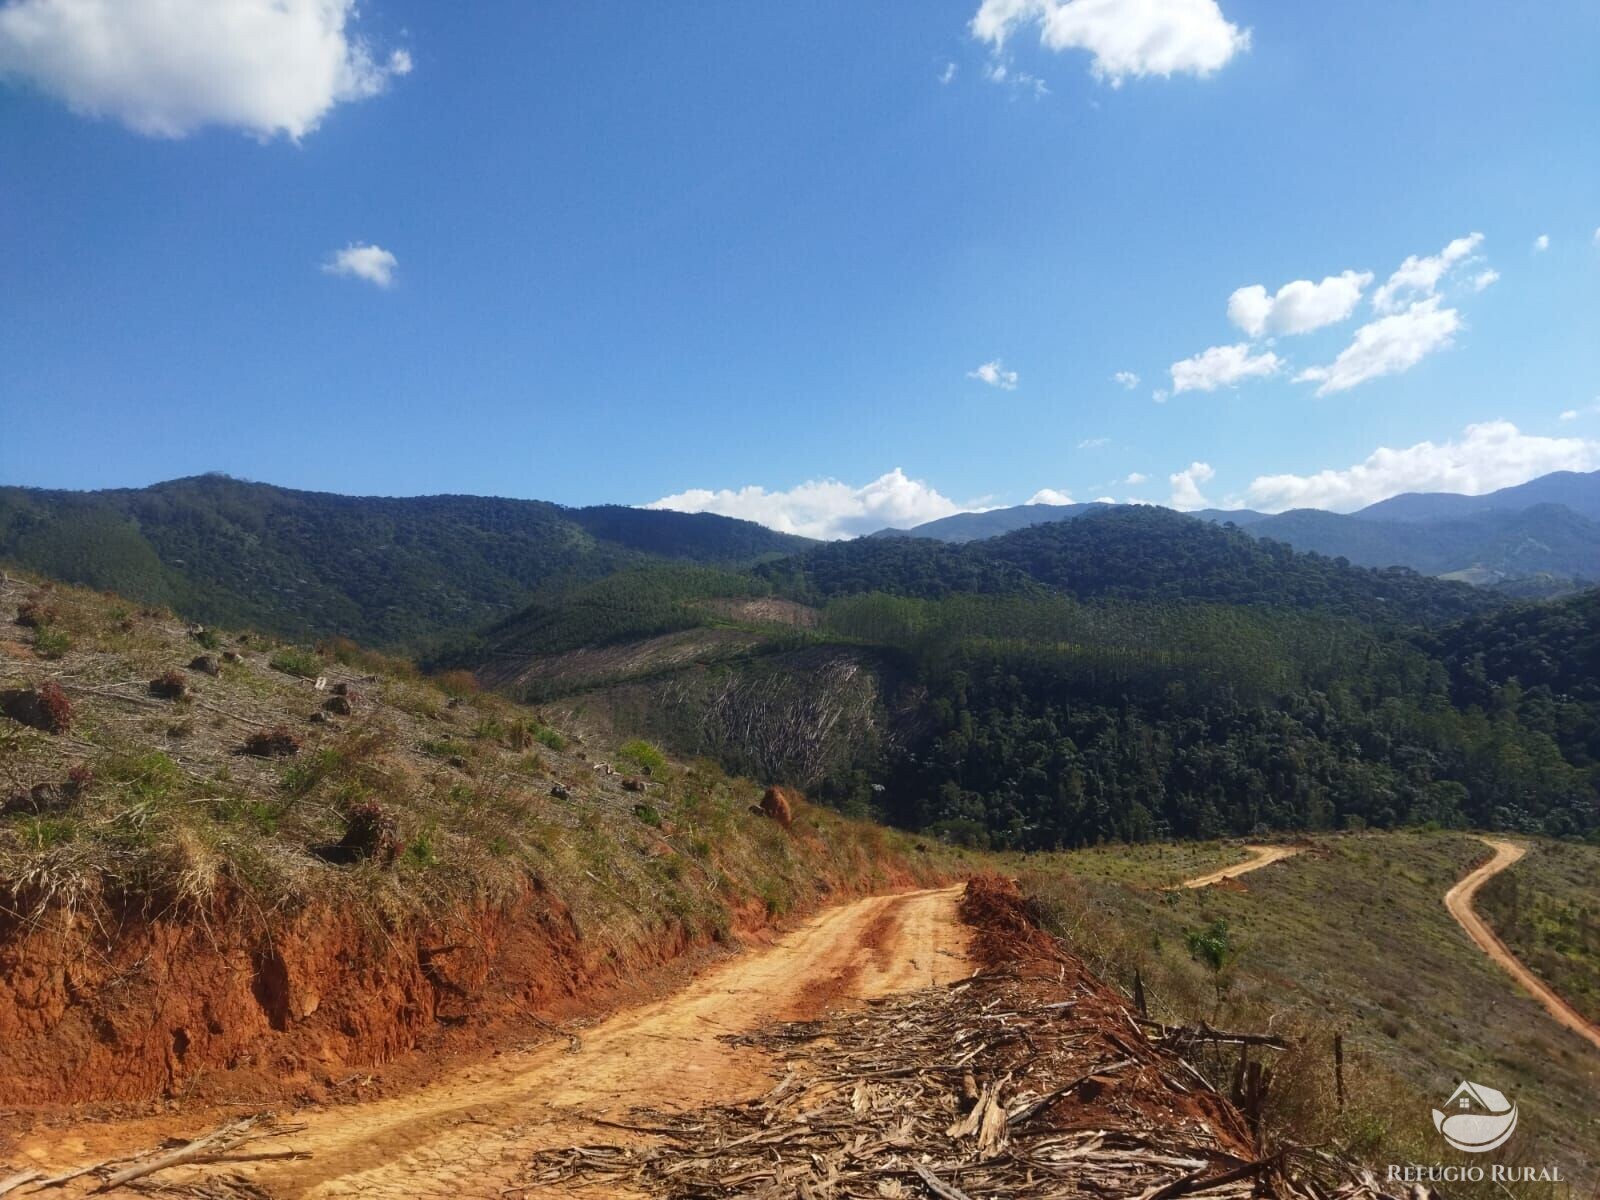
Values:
[(1135, 478), (1186, 486), (1297, 307), (824, 508), (1126, 379), (1387, 346), (1487, 456), (1419, 276), (995, 375), (1126, 38), (1222, 366), (168, 68), (1050, 496), (372, 263)]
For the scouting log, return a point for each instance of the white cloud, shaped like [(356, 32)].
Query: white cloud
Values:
[(1597, 236), (1484, 279), (1222, 366), (1387, 346), (1160, 395), (949, 73), (1113, 500), (1125, 37), (995, 375), (1186, 486), (1417, 278), (1127, 379), (359, 261), (1541, 243), (1093, 443), (1050, 496), (1572, 414), (170, 67), (1569, 414), (1487, 456), (1136, 478), (1297, 307), (824, 508)]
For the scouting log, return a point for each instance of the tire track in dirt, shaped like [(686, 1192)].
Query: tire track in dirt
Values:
[(1261, 856), (465, 1136), (1459, 901)]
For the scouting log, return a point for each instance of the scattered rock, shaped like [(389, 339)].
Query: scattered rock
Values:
[(45, 707), (632, 783), (339, 704), (320, 718), (340, 689), (206, 664), (272, 743), (232, 656), (43, 799), (779, 804), (371, 832), (561, 791)]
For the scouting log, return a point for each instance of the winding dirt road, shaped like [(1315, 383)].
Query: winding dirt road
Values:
[(1260, 856), (466, 1136), (1459, 901)]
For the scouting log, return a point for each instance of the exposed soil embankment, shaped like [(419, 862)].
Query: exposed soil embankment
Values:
[(127, 1006)]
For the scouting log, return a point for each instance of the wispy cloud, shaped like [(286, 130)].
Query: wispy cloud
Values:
[(1127, 379), (1387, 346), (994, 374)]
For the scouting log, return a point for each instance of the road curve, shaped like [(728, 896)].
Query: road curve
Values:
[(1459, 901), (1260, 856)]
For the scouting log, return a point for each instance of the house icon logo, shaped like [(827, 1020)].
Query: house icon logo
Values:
[(1476, 1118)]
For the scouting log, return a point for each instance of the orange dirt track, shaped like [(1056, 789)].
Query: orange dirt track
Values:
[(465, 1135)]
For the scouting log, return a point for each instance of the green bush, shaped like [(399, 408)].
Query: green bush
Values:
[(642, 755), (296, 661)]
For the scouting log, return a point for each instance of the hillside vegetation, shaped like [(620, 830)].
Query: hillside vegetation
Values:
[(1132, 674), (389, 572), (1351, 937), (218, 849)]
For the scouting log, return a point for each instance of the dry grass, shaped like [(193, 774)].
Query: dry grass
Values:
[(1350, 937), (177, 810)]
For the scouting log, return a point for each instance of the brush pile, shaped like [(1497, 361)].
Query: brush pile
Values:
[(1029, 1079)]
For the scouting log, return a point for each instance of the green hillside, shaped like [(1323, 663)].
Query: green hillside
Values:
[(386, 571)]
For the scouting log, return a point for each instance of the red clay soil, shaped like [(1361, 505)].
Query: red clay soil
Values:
[(128, 1007)]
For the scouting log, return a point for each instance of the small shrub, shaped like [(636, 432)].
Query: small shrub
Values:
[(648, 814), (371, 832), (170, 686), (272, 743), (458, 685), (205, 664), (207, 638), (550, 739), (421, 853), (646, 757), (295, 661), (50, 641), (36, 614)]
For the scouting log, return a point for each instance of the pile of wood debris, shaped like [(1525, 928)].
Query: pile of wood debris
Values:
[(1030, 1079)]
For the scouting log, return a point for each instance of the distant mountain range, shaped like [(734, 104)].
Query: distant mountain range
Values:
[(387, 571), (1539, 536)]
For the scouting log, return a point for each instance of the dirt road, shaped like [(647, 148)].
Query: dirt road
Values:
[(465, 1136), (1459, 901), (1260, 856)]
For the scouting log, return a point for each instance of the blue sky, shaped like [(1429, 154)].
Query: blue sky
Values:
[(831, 266)]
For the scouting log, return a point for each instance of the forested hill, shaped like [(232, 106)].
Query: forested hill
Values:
[(1136, 553), (387, 571)]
